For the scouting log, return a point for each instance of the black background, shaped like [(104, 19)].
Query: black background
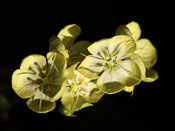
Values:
[(26, 29)]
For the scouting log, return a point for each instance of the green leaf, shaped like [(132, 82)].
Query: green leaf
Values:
[(134, 29), (151, 75), (68, 34), (21, 85), (147, 52)]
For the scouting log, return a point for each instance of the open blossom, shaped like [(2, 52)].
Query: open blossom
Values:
[(64, 43), (40, 80), (80, 91), (115, 62), (144, 48)]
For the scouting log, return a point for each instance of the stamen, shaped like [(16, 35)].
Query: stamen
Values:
[(74, 52), (86, 84), (115, 70), (80, 80), (69, 63), (72, 86), (74, 95), (67, 51), (50, 79), (36, 86), (84, 95), (113, 54), (120, 60), (105, 59), (48, 89), (105, 69), (43, 71), (36, 74)]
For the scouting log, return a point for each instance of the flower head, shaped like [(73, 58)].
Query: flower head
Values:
[(64, 43), (41, 80), (80, 91), (115, 62), (144, 48)]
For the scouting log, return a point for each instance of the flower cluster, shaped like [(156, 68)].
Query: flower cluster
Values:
[(80, 73)]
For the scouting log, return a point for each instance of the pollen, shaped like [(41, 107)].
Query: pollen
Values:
[(36, 86), (105, 69), (43, 71), (36, 74), (105, 59), (67, 51), (86, 84), (136, 49), (120, 60), (80, 80), (84, 95), (50, 79), (72, 86), (74, 52), (115, 70), (48, 89), (113, 54), (74, 95)]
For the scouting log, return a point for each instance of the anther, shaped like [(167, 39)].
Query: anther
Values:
[(67, 51), (43, 71), (84, 95), (136, 49), (105, 59), (50, 79), (113, 54), (120, 60), (105, 69), (74, 52), (86, 84), (36, 86), (80, 80), (74, 95), (115, 70), (48, 89), (36, 74), (72, 86)]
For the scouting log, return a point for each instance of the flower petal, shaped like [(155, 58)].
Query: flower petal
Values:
[(21, 85), (55, 45), (129, 73), (73, 104), (129, 89), (122, 45), (109, 83), (92, 64), (76, 51), (151, 75), (46, 106), (123, 30), (147, 52), (140, 64), (134, 29), (68, 34), (94, 96), (32, 61)]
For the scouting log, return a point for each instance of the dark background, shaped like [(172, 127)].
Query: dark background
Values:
[(26, 29)]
